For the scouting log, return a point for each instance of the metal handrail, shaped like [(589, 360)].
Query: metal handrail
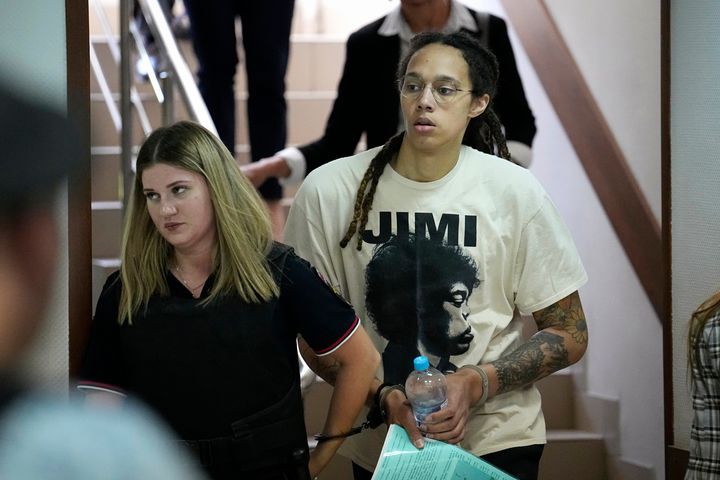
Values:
[(177, 72), (177, 66), (105, 90), (100, 76), (145, 58)]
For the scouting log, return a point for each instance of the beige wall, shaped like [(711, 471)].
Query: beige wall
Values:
[(616, 45)]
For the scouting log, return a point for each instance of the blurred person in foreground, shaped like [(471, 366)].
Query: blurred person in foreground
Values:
[(704, 367), (45, 436), (201, 321)]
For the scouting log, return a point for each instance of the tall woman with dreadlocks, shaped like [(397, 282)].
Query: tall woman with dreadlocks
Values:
[(447, 178)]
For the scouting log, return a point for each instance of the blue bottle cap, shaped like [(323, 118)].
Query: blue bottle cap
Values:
[(421, 363)]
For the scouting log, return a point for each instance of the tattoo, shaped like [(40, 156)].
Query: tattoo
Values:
[(542, 355), (568, 315), (545, 352), (326, 367)]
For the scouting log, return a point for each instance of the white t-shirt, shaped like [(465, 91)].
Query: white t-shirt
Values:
[(499, 216)]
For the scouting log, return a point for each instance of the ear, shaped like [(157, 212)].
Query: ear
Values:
[(478, 105)]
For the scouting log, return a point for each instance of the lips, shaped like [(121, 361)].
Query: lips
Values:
[(172, 225), (424, 122)]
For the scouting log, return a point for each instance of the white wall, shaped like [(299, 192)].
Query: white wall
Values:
[(695, 173), (33, 59), (616, 44)]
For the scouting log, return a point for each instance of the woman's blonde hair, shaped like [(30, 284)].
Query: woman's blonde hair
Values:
[(697, 324), (244, 234)]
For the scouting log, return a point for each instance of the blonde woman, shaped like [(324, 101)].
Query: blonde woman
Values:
[(201, 320), (704, 366)]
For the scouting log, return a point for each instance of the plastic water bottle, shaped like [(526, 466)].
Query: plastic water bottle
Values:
[(426, 389)]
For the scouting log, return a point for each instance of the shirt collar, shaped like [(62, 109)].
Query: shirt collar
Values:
[(460, 17)]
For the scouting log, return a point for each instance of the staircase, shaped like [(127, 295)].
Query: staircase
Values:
[(314, 70)]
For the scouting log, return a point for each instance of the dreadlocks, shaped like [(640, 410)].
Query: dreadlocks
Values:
[(484, 132)]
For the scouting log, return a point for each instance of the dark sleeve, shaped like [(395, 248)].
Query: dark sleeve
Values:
[(345, 125), (101, 364), (510, 102), (323, 318)]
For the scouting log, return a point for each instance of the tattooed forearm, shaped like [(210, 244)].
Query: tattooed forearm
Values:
[(542, 355), (561, 340), (568, 315), (326, 367)]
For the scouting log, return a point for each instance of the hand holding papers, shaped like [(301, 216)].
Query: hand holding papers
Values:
[(400, 460)]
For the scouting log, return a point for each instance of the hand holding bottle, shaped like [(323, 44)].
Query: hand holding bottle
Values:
[(449, 424), (426, 389)]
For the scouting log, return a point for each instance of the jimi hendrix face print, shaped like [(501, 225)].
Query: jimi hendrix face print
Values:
[(417, 297)]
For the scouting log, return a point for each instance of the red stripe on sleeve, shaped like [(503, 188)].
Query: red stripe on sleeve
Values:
[(342, 338)]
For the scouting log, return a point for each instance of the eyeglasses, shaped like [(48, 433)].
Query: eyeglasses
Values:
[(443, 91)]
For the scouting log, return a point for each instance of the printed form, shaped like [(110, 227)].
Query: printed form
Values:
[(400, 460)]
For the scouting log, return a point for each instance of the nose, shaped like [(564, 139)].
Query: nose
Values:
[(168, 208), (426, 100)]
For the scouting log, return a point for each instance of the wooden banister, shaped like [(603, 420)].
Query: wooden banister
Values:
[(594, 143)]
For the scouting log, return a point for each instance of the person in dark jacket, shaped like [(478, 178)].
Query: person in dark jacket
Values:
[(367, 96)]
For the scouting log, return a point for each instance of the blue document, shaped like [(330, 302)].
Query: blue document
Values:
[(400, 460)]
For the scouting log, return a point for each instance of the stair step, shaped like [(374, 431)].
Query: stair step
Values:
[(573, 455), (106, 176), (106, 229), (307, 114), (560, 435), (313, 72), (315, 64), (111, 69), (558, 400)]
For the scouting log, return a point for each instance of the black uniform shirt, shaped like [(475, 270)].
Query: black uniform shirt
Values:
[(204, 367)]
